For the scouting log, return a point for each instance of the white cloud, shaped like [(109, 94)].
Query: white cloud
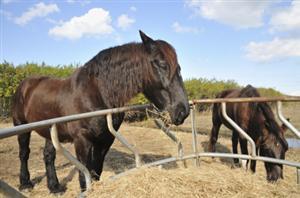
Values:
[(273, 50), (82, 2), (184, 29), (124, 21), (287, 19), (96, 22), (133, 8), (38, 10), (239, 14)]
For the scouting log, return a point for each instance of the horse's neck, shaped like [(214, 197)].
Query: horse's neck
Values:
[(259, 118), (125, 85), (117, 85)]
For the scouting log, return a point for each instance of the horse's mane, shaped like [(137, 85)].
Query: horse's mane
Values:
[(248, 92), (113, 57), (121, 72), (270, 118), (118, 71), (272, 125), (265, 109)]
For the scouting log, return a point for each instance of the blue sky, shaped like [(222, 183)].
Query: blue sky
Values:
[(251, 42)]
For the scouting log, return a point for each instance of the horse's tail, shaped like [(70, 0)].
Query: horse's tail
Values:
[(21, 96), (17, 107)]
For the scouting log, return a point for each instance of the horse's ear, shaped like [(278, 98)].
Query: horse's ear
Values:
[(148, 42)]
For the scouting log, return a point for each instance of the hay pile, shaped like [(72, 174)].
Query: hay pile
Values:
[(214, 178), (210, 180)]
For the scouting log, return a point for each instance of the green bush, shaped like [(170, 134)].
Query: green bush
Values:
[(197, 88), (11, 76), (202, 88), (269, 92)]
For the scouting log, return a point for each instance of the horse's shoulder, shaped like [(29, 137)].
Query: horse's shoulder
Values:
[(227, 93), (249, 91)]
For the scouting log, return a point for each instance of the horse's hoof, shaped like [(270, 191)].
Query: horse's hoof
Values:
[(26, 187), (57, 189), (235, 165)]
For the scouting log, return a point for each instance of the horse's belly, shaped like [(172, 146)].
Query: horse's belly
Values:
[(63, 135)]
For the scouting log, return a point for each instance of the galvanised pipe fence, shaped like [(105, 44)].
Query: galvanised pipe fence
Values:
[(196, 155)]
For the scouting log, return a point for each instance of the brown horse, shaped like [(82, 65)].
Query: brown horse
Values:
[(257, 119), (108, 80)]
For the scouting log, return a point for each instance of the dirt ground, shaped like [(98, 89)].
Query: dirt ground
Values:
[(214, 178)]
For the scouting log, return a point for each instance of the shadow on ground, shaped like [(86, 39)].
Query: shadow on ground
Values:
[(118, 161), (64, 181), (219, 149)]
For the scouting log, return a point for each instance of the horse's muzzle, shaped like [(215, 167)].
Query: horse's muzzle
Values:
[(275, 173), (180, 114)]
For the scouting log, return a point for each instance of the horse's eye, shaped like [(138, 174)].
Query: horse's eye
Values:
[(162, 64)]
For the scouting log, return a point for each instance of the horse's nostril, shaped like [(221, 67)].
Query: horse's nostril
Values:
[(181, 114)]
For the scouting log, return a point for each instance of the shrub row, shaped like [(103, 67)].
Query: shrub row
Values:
[(11, 76)]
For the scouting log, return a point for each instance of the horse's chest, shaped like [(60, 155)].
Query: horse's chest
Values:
[(98, 129)]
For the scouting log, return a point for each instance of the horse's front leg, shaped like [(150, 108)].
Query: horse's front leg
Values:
[(235, 140), (253, 163), (244, 150), (214, 137), (100, 150), (49, 159), (84, 150), (24, 151)]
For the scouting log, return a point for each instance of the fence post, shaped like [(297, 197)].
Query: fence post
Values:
[(123, 140), (239, 129), (194, 135), (284, 121), (58, 147), (9, 191), (172, 136), (298, 175)]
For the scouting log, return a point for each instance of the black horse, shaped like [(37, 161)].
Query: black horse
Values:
[(257, 119), (108, 80)]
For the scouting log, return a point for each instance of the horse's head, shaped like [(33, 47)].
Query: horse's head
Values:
[(273, 144), (165, 86)]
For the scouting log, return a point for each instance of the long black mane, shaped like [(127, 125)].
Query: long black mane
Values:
[(265, 109), (119, 73)]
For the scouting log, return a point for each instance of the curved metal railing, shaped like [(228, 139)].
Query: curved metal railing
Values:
[(51, 123)]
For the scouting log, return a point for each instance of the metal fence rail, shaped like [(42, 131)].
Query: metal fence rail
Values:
[(17, 130), (252, 155), (252, 99), (51, 123)]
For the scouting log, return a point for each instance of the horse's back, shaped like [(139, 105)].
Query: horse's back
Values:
[(217, 112), (38, 98), (21, 97), (239, 112)]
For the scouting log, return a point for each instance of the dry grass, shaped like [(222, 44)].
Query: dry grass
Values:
[(210, 180), (214, 178)]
